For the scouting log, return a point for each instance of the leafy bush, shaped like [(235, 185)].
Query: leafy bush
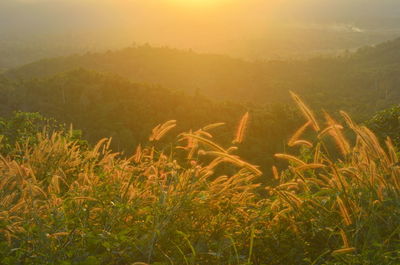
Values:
[(23, 127), (386, 123)]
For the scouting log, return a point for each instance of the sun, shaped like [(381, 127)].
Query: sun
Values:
[(199, 3)]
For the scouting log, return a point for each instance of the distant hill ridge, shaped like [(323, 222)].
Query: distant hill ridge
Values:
[(361, 82), (214, 75)]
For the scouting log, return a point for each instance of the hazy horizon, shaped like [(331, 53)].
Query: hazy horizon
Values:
[(251, 28)]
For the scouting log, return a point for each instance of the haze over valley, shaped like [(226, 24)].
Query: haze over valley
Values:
[(253, 29)]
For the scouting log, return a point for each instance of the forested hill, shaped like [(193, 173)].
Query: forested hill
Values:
[(384, 54), (105, 105), (360, 83), (213, 75)]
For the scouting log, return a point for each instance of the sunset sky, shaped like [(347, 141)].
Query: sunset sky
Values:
[(198, 24)]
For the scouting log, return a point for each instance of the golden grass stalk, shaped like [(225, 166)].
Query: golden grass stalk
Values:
[(55, 235), (343, 251), (328, 129), (317, 153), (290, 158), (348, 120), (335, 131), (160, 130), (392, 151), (288, 186), (84, 198), (212, 126), (310, 166), (298, 133), (237, 161), (343, 211), (344, 239), (241, 129), (204, 141), (306, 111), (138, 154), (204, 133), (290, 198), (303, 143), (275, 173)]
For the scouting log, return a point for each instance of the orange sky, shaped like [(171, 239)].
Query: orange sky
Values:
[(198, 24)]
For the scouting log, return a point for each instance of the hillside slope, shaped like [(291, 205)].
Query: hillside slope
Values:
[(213, 75), (360, 83), (110, 106)]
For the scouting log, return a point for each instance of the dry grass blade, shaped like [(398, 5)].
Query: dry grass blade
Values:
[(212, 126), (310, 166), (298, 133), (328, 129), (204, 141), (288, 186), (344, 239), (275, 173), (335, 130), (302, 143), (82, 198), (290, 158), (306, 111), (392, 151), (236, 161), (344, 212), (99, 144), (241, 129), (343, 251), (138, 154), (55, 235), (348, 120), (160, 130)]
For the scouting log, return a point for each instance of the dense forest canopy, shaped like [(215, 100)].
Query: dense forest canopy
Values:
[(110, 106), (361, 83)]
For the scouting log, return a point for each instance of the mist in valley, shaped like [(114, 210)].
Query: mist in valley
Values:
[(253, 29)]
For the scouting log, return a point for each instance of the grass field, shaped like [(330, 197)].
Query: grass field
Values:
[(196, 202)]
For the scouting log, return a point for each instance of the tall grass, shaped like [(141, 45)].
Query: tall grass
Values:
[(337, 202)]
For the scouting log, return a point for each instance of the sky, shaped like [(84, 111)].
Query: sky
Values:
[(191, 23)]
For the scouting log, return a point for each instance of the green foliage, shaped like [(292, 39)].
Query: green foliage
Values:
[(93, 207), (359, 83), (23, 128), (110, 106), (61, 204), (386, 123)]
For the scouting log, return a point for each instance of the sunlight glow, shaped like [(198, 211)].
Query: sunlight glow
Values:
[(199, 3)]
